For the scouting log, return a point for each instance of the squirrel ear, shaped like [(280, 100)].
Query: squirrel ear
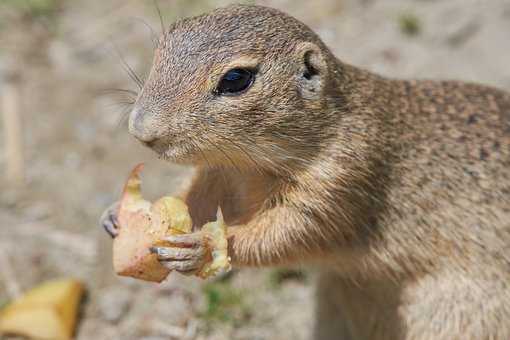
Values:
[(313, 69)]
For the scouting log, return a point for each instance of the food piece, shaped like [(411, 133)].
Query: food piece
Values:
[(142, 225), (216, 234), (48, 311), (174, 213)]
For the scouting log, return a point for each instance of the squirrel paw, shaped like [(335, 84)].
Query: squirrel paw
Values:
[(187, 255), (109, 220)]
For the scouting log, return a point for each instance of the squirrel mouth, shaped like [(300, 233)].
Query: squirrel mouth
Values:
[(176, 150), (159, 146)]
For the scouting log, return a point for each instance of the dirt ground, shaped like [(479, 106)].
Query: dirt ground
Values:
[(77, 150)]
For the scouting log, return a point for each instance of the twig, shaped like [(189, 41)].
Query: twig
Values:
[(7, 274), (191, 330), (11, 111), (168, 330)]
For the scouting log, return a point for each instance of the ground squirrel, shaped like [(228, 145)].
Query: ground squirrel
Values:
[(399, 190)]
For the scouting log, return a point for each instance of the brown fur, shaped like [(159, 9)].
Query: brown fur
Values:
[(399, 190)]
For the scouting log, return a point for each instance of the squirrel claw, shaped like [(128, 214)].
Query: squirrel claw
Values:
[(187, 261), (109, 220)]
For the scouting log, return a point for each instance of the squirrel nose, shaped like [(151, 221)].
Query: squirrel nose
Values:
[(139, 126)]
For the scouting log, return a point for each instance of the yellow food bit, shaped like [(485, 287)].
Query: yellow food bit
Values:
[(48, 311), (216, 233), (173, 213), (132, 199)]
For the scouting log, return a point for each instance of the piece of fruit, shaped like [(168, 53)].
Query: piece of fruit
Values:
[(142, 225), (47, 312), (216, 234)]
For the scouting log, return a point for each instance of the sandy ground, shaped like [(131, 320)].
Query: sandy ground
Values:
[(78, 151)]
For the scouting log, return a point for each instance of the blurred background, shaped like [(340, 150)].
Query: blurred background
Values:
[(65, 150)]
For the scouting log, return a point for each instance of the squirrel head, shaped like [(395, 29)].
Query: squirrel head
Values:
[(238, 85)]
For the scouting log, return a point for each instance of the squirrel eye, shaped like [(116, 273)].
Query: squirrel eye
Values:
[(235, 81)]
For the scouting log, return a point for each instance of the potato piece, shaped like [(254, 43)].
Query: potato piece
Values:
[(48, 311), (216, 233), (174, 214), (142, 225)]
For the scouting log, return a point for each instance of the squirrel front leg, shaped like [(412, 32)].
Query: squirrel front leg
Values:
[(279, 235), (209, 190), (203, 197)]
